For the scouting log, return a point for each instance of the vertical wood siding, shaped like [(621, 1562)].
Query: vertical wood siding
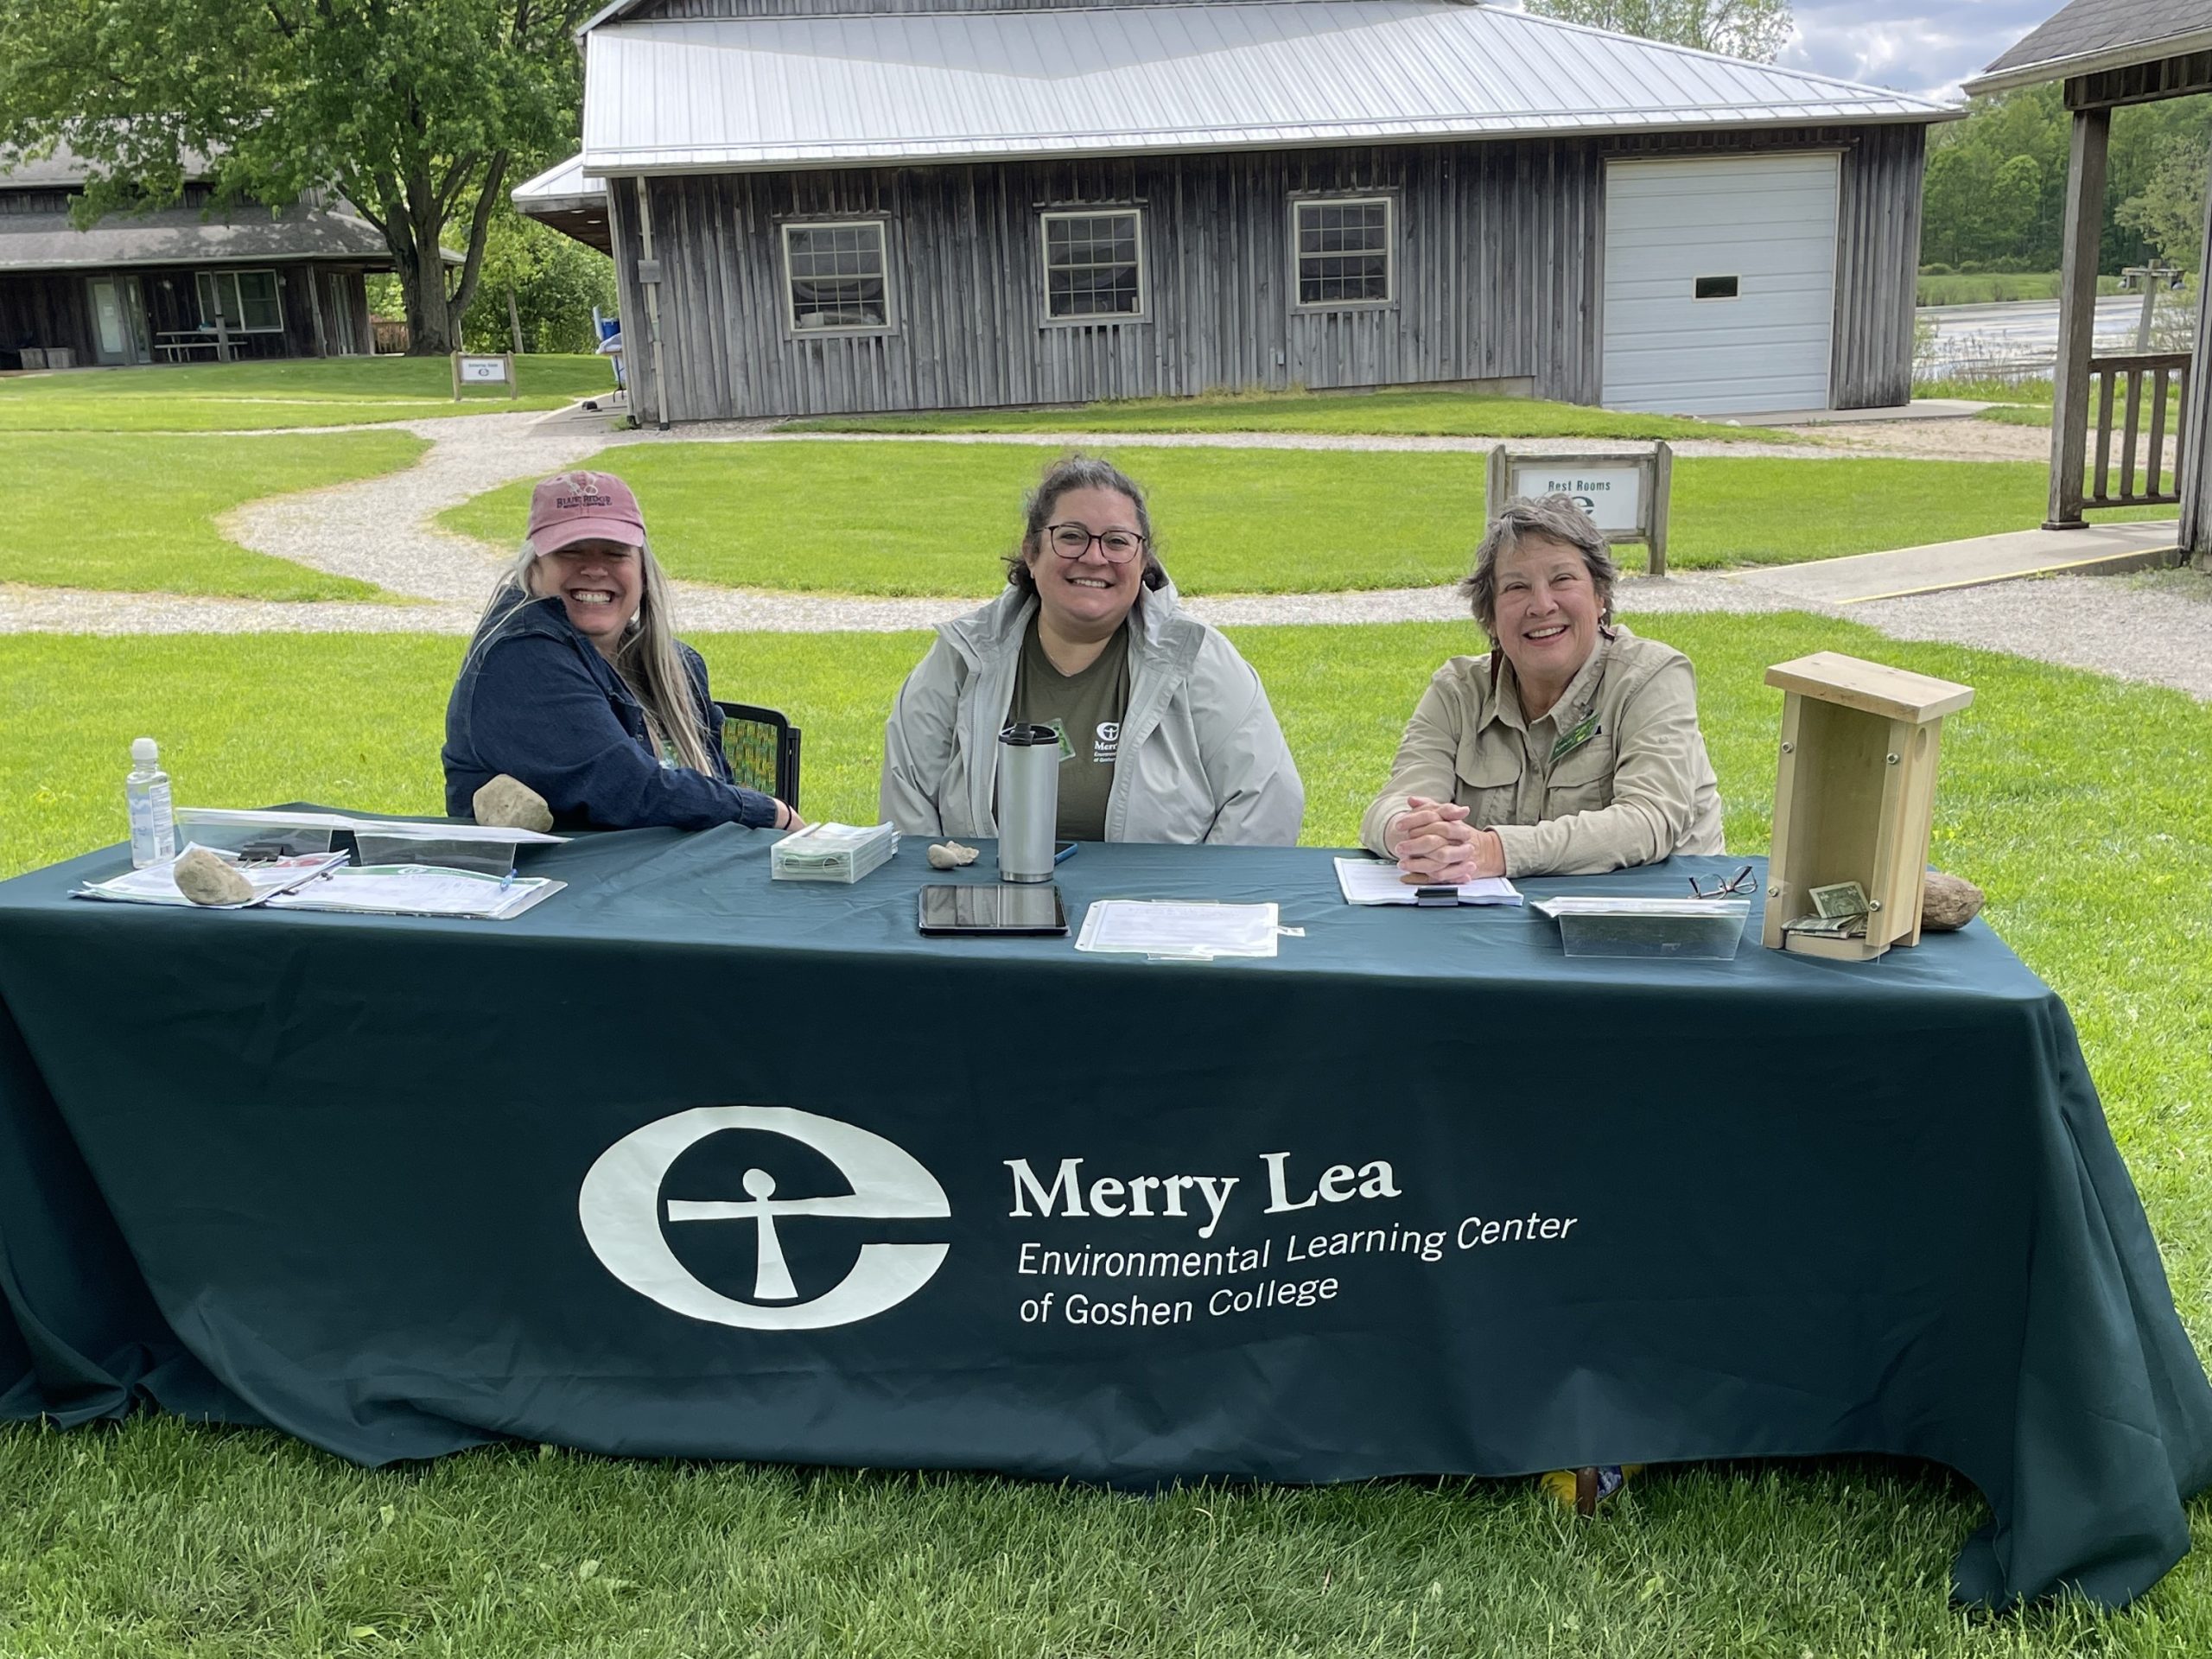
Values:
[(1497, 248), (1876, 267)]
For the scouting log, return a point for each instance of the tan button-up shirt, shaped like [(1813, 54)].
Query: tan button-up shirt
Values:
[(1615, 774)]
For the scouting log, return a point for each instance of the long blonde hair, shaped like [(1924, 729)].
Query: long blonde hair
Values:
[(647, 659)]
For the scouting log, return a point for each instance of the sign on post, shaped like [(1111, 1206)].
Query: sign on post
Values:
[(474, 371), (1625, 495)]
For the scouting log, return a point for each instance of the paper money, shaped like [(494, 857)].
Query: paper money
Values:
[(1839, 899), (1829, 927)]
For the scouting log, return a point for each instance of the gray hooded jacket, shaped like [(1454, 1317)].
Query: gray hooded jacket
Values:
[(1201, 759)]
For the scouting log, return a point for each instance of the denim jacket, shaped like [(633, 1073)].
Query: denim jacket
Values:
[(537, 701)]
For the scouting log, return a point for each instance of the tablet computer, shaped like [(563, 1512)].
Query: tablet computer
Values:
[(999, 907)]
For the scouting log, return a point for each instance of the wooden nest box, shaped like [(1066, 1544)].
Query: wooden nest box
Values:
[(1855, 795)]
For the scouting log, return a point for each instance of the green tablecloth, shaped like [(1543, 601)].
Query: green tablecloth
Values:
[(685, 1162)]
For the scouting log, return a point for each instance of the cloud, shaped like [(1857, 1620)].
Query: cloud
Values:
[(1924, 47)]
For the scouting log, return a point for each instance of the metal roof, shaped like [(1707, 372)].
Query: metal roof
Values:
[(561, 185), (178, 236), (756, 95), (561, 196), (65, 168), (2090, 36)]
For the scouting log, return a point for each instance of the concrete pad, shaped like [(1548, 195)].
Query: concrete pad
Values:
[(2097, 550), (614, 410), (1919, 409)]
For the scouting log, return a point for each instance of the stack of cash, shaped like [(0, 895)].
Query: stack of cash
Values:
[(832, 852), (1839, 912)]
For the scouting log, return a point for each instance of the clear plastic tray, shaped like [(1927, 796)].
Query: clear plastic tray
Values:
[(1697, 929)]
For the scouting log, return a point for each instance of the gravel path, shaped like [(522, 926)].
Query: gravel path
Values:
[(378, 529)]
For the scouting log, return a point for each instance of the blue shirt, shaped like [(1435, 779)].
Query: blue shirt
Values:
[(537, 701)]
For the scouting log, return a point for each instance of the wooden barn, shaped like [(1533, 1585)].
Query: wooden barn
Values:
[(821, 206), (192, 282)]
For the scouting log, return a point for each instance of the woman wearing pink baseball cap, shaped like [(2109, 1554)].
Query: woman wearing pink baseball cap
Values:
[(576, 686)]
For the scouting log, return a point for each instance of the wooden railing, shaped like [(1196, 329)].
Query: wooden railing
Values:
[(2167, 375)]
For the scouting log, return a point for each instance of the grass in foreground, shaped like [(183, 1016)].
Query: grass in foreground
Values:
[(906, 519), (243, 396), (137, 514), (1423, 413), (2071, 797)]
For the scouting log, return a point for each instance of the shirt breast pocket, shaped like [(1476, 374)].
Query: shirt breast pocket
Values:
[(1581, 781), (1488, 781)]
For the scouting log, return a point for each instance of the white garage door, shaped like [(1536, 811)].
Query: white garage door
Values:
[(1719, 283)]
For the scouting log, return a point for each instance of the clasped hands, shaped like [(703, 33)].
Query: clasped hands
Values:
[(1436, 847)]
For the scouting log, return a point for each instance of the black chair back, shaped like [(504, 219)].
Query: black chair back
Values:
[(762, 748)]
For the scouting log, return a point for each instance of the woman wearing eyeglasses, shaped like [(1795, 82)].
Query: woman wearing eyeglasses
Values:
[(1166, 731), (1570, 749)]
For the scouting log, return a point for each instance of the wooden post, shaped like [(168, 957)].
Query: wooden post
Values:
[(1662, 484), (513, 391), (2077, 315), (514, 320), (314, 310), (456, 377), (2195, 432)]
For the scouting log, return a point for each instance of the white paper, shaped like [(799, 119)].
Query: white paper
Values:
[(157, 883), (1196, 932), (420, 890), (1368, 881)]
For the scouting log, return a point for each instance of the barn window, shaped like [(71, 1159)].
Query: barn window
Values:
[(1093, 265), (837, 277), (246, 300), (1344, 251)]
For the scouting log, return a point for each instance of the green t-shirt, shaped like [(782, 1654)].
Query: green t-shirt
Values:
[(1087, 707)]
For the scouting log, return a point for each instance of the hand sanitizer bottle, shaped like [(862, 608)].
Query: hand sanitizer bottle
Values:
[(153, 825)]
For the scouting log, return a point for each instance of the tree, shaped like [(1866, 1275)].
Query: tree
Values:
[(556, 282), (416, 111), (1737, 29), (2170, 208)]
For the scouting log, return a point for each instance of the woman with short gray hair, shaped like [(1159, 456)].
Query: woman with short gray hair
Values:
[(1572, 748), (1165, 733)]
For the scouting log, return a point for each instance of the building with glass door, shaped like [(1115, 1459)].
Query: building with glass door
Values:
[(193, 283)]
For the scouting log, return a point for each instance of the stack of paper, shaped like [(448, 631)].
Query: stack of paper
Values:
[(420, 890), (1165, 931), (1367, 881), (832, 852), (157, 883)]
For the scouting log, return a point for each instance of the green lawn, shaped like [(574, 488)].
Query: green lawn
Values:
[(905, 518), (2074, 800), (1995, 286), (1988, 390), (137, 514), (1424, 413), (2039, 413), (238, 397)]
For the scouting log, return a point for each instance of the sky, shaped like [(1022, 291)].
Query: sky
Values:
[(1926, 46)]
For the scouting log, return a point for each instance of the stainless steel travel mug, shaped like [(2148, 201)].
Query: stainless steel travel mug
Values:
[(1029, 801)]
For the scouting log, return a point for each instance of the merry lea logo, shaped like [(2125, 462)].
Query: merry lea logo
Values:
[(619, 1207)]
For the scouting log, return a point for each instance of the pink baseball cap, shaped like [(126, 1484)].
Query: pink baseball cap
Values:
[(572, 507)]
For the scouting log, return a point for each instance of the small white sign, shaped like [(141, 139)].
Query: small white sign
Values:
[(1613, 496), (483, 371)]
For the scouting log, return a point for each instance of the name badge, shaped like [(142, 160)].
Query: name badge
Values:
[(1572, 739)]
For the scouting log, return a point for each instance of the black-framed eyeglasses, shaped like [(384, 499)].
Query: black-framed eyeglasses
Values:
[(1072, 541), (1739, 882)]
